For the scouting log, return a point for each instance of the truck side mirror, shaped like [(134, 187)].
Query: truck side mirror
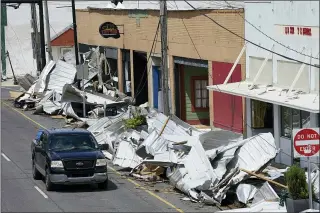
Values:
[(104, 146)]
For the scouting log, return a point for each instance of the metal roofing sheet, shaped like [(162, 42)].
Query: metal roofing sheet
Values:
[(62, 74)]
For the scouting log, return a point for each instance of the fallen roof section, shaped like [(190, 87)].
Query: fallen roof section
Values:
[(303, 101)]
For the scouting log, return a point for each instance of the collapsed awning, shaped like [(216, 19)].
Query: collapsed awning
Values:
[(298, 100)]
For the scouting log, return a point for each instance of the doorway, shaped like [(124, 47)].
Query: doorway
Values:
[(140, 77), (156, 75)]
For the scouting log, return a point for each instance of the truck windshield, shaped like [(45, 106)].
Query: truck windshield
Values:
[(65, 142)]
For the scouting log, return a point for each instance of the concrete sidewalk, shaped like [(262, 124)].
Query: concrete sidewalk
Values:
[(8, 83)]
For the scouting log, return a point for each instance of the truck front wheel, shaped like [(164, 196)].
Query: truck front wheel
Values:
[(103, 185), (49, 184)]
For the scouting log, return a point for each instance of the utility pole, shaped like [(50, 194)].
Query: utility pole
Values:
[(164, 56), (75, 36), (3, 41), (49, 50), (35, 37), (42, 40)]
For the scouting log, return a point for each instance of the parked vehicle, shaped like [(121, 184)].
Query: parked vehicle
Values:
[(68, 156)]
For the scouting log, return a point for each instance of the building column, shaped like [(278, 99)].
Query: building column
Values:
[(248, 122), (211, 104), (132, 73), (171, 85), (120, 71), (3, 39), (277, 129)]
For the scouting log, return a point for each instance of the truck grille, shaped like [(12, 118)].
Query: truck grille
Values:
[(75, 175), (78, 164)]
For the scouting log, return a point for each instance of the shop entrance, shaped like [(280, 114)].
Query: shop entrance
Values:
[(140, 77), (191, 94), (261, 117)]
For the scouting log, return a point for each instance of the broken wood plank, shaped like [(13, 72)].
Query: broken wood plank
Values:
[(57, 116), (264, 178), (15, 94)]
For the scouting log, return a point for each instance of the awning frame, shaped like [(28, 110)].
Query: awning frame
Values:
[(291, 92)]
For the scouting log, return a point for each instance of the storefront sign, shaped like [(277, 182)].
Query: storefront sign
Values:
[(298, 30), (306, 142), (109, 30)]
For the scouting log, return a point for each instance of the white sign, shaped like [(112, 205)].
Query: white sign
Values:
[(306, 142)]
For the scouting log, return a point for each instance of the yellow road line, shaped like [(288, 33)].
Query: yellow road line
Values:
[(118, 173)]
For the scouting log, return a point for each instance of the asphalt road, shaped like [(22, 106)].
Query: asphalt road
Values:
[(20, 193)]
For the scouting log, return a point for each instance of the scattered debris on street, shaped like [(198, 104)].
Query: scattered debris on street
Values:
[(155, 147)]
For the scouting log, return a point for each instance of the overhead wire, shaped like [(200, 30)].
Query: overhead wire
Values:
[(254, 137), (257, 45), (287, 47)]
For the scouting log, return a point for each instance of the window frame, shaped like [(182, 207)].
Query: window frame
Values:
[(291, 119), (193, 94), (65, 48)]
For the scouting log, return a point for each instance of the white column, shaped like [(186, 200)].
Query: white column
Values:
[(277, 129), (249, 116)]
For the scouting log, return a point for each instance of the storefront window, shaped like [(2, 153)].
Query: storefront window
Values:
[(291, 119), (286, 122), (200, 93), (261, 115)]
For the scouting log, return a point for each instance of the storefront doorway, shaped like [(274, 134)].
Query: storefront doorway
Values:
[(191, 94), (140, 77)]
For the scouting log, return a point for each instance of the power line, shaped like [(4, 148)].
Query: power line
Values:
[(257, 45), (287, 47)]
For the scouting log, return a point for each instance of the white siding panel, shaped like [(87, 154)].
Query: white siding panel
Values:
[(266, 74), (287, 71)]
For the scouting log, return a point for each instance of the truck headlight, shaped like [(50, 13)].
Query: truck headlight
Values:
[(56, 164), (101, 162)]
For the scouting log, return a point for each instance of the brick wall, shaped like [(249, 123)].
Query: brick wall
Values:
[(212, 42)]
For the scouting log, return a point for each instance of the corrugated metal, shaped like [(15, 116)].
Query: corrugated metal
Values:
[(42, 80), (62, 74)]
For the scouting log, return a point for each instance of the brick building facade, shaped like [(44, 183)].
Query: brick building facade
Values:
[(200, 53)]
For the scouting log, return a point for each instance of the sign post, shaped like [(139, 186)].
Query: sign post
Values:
[(306, 144), (82, 74)]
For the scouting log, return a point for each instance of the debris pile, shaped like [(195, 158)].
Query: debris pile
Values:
[(167, 146), (55, 93), (151, 144)]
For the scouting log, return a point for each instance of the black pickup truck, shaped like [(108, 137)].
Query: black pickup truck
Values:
[(68, 156)]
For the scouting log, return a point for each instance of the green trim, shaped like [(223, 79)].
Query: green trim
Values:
[(188, 73)]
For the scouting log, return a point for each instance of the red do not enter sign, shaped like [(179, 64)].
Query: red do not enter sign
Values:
[(306, 142)]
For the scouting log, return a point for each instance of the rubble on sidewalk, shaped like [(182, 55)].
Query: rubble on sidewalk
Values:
[(158, 146), (53, 93), (169, 147)]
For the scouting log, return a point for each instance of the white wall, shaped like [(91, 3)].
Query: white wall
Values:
[(268, 17), (56, 51)]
